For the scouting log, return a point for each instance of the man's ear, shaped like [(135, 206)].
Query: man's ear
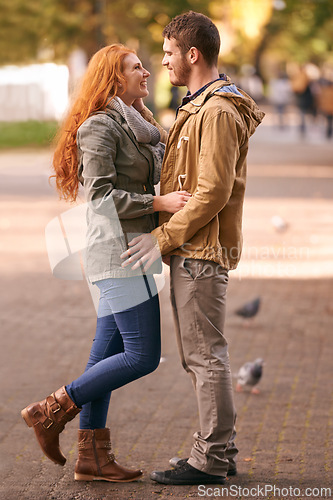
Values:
[(193, 54)]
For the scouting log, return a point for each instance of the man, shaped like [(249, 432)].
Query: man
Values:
[(206, 156)]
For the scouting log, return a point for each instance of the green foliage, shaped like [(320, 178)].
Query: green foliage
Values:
[(49, 29), (302, 31), (28, 30), (29, 133)]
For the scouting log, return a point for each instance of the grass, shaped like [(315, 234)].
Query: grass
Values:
[(29, 133)]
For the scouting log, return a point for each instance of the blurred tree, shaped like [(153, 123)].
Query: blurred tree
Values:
[(299, 30), (50, 29), (17, 42), (40, 30), (284, 30), (241, 25)]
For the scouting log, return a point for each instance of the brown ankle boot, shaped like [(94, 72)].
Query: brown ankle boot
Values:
[(48, 419), (96, 461)]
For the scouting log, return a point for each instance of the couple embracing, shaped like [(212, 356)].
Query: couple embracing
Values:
[(112, 145)]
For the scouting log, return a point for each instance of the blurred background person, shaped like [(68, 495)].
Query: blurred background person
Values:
[(325, 99), (252, 83), (305, 99), (280, 96)]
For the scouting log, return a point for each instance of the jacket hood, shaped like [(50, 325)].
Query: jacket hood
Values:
[(245, 105)]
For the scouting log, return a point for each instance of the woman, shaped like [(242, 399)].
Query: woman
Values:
[(107, 145)]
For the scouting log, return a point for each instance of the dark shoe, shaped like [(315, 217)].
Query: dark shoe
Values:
[(48, 419), (176, 462), (96, 462), (185, 474), (232, 471)]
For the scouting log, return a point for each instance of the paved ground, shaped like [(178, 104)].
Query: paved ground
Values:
[(285, 434)]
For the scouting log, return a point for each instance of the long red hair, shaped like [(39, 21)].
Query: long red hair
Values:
[(99, 85)]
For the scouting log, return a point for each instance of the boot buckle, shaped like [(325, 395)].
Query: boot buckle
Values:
[(55, 409), (49, 424)]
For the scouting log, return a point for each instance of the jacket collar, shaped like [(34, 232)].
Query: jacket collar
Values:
[(124, 125), (121, 121), (195, 105)]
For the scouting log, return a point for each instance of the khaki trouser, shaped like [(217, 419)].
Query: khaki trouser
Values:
[(198, 296)]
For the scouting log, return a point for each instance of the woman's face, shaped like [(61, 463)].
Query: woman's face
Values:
[(136, 80)]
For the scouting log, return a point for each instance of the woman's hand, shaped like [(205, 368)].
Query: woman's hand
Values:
[(171, 202)]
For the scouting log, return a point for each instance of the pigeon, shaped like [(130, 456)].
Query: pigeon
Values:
[(249, 375), (250, 309), (279, 223)]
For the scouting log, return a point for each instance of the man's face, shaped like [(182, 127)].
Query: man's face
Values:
[(176, 63)]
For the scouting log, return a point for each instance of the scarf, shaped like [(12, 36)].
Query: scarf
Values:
[(145, 133)]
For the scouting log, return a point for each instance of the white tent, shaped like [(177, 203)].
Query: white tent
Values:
[(35, 92)]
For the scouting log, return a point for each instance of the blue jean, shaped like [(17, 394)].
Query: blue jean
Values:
[(127, 345)]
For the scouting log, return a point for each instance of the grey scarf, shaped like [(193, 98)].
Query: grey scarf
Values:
[(145, 133)]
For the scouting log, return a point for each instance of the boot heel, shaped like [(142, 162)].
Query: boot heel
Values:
[(26, 418), (83, 477)]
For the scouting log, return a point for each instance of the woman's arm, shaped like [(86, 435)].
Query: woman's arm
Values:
[(98, 140), (98, 143)]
